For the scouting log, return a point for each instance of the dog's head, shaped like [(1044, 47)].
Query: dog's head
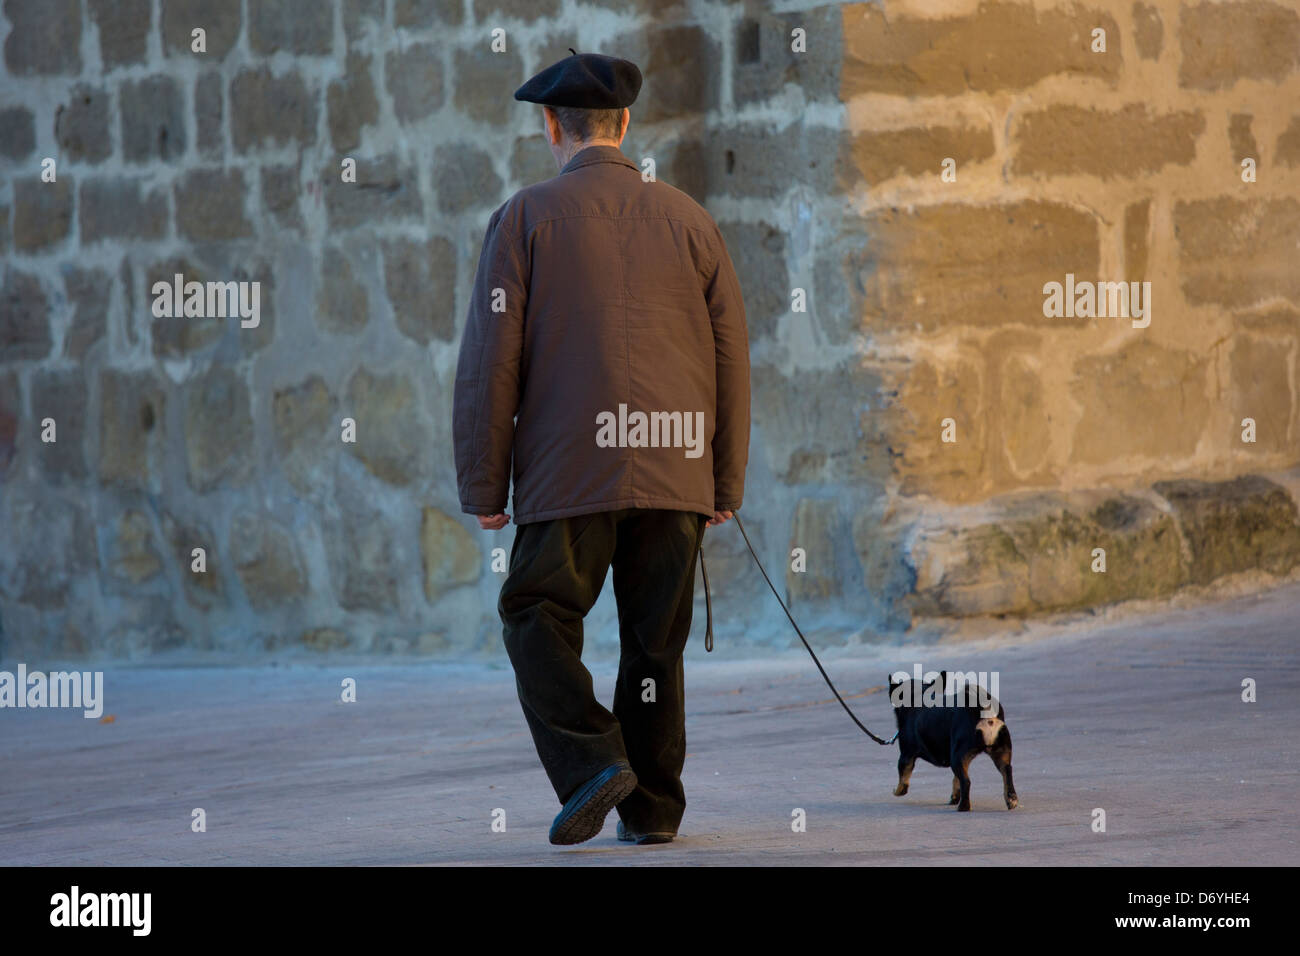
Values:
[(905, 693)]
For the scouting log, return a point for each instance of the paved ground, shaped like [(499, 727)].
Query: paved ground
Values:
[(1141, 717)]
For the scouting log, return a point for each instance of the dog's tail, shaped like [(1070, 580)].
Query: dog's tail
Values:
[(988, 728)]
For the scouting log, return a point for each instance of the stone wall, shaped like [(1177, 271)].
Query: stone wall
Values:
[(1072, 432), (884, 298)]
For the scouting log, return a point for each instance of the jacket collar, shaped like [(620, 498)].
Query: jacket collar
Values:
[(597, 154)]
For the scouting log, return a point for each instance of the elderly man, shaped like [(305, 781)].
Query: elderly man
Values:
[(606, 358)]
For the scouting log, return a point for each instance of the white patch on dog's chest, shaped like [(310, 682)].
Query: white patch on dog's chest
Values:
[(988, 728)]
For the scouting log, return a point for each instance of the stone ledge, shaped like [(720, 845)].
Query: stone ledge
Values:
[(1028, 554)]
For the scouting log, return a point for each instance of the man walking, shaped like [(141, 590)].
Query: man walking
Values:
[(606, 359)]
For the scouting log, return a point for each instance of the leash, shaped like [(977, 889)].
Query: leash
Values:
[(708, 637)]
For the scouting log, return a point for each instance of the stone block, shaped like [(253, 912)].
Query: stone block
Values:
[(413, 76), (209, 111), (210, 205), (24, 318), (307, 431), (132, 408), (270, 110), (352, 104), (764, 60), (299, 27), (426, 13), (219, 19), (42, 212), (479, 76), (758, 251), (117, 208), (449, 553), (123, 30), (384, 191), (267, 561), (81, 125), (60, 395), (1239, 525), (929, 266), (1171, 387), (153, 119), (17, 132), (1235, 253), (1226, 42), (1128, 142), (44, 38), (420, 278), (878, 155), (393, 437), (1001, 46), (464, 178), (342, 305), (89, 292), (218, 430)]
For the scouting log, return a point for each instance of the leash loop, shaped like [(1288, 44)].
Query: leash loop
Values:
[(708, 605)]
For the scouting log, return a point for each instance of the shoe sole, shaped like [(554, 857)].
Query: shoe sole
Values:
[(647, 839), (644, 839), (589, 819)]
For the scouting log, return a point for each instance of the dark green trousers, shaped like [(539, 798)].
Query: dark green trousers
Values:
[(557, 570)]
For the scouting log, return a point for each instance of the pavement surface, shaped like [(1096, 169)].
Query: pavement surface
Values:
[(1141, 717)]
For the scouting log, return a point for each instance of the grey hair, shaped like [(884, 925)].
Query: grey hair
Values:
[(583, 125)]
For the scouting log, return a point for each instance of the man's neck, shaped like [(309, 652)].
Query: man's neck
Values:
[(575, 148)]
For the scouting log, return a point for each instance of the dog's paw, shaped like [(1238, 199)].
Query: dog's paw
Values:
[(953, 802), (962, 807), (900, 790), (1012, 802)]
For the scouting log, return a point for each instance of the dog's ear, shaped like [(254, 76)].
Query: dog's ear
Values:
[(896, 691)]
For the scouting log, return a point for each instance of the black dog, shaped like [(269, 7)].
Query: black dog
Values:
[(950, 732)]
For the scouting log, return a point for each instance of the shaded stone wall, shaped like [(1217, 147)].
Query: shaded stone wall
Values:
[(881, 298)]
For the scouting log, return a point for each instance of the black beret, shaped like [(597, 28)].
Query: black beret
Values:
[(588, 81)]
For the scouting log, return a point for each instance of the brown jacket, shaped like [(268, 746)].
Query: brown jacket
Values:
[(602, 305)]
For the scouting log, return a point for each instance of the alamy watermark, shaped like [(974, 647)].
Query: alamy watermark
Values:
[(964, 688), (1098, 300), (208, 300), (652, 430), (76, 908), (77, 689)]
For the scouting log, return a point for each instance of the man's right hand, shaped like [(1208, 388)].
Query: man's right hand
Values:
[(719, 517)]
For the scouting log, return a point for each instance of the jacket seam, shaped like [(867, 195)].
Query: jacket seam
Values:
[(627, 349), (614, 503), (619, 160), (475, 458), (581, 215)]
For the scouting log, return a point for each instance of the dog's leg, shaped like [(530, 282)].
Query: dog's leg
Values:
[(905, 765), (961, 768), (956, 790), (1001, 754)]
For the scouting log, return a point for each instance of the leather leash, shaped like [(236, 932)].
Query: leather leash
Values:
[(708, 636)]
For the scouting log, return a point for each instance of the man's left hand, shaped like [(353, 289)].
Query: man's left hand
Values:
[(493, 522)]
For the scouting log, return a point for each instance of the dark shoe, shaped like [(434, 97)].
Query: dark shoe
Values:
[(584, 814), (643, 839)]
